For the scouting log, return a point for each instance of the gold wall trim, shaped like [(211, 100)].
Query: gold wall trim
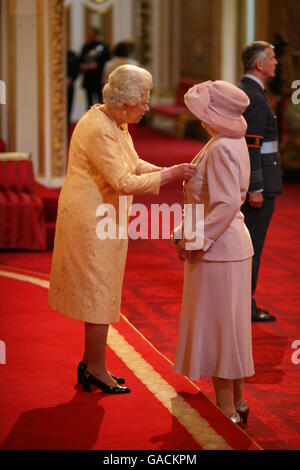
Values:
[(57, 87), (11, 85), (98, 1), (41, 85)]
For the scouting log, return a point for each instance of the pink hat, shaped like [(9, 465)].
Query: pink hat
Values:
[(220, 105)]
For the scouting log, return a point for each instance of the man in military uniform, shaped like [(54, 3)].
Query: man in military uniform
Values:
[(265, 180)]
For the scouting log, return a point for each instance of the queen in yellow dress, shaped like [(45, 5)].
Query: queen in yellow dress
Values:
[(87, 272)]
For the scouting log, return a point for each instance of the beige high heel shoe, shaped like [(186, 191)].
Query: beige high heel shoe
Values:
[(243, 410), (236, 419)]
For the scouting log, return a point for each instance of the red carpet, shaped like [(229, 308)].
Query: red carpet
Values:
[(162, 149), (41, 408), (151, 301)]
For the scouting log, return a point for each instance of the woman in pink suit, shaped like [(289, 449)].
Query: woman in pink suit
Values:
[(215, 325)]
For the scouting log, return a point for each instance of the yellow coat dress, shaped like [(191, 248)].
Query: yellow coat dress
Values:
[(87, 272)]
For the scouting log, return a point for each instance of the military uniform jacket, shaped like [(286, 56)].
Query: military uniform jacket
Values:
[(262, 127)]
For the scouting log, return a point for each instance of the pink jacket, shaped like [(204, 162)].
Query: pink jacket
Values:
[(221, 183)]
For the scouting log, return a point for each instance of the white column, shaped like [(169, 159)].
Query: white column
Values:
[(47, 121), (76, 43), (250, 21), (228, 40), (122, 20), (77, 25), (27, 138)]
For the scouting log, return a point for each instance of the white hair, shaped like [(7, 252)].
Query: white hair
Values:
[(126, 85)]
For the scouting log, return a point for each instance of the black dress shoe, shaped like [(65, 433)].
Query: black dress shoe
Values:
[(261, 315), (82, 367), (89, 379)]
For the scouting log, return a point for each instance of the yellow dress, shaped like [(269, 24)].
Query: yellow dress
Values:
[(87, 272)]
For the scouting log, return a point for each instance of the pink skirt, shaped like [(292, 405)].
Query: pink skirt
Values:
[(214, 336)]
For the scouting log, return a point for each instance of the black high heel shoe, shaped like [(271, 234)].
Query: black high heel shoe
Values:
[(89, 379), (82, 367), (243, 410)]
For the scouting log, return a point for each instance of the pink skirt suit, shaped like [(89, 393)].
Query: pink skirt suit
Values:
[(215, 324)]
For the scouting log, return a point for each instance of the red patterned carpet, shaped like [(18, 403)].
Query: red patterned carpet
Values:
[(41, 406), (152, 296)]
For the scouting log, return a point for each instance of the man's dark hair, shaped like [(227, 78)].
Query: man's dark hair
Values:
[(121, 49), (252, 52)]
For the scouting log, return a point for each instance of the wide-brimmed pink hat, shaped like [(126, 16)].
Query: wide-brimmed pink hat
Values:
[(220, 105)]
